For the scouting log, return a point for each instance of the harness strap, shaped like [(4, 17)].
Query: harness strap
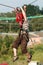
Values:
[(24, 33), (25, 37)]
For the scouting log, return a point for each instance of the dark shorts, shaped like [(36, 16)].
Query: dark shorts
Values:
[(22, 40)]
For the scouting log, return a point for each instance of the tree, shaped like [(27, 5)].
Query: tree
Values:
[(32, 10), (41, 11), (36, 24)]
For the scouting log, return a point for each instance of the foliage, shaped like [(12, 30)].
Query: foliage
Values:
[(36, 24), (32, 10), (6, 44)]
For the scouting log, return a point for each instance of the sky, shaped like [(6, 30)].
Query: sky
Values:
[(18, 3)]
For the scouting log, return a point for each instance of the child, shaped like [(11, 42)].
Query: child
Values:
[(23, 37)]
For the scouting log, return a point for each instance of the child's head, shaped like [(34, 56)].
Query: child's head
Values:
[(18, 10), (25, 7)]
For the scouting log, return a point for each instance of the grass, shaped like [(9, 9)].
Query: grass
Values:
[(9, 60), (37, 55)]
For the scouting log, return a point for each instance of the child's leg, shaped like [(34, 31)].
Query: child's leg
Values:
[(15, 47), (24, 49)]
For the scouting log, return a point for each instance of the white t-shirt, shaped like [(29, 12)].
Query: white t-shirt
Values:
[(26, 25)]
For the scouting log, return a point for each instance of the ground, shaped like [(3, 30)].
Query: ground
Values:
[(37, 55)]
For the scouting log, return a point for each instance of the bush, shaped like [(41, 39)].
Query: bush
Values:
[(8, 40), (6, 45)]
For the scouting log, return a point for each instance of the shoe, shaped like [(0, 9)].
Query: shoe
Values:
[(29, 58), (15, 58)]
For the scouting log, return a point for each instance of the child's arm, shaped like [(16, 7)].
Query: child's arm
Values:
[(24, 14)]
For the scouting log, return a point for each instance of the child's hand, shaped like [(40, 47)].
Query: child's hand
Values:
[(20, 23)]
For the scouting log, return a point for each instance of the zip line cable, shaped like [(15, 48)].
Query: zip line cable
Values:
[(13, 7), (7, 6), (33, 2)]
